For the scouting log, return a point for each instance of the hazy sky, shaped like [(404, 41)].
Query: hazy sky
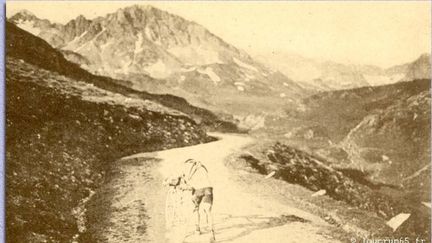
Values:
[(381, 33)]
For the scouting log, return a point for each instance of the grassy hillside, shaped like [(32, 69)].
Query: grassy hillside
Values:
[(64, 127), (378, 137), (366, 204), (395, 142), (23, 45), (383, 130), (340, 111), (60, 141)]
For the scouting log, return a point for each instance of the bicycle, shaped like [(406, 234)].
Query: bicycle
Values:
[(176, 204)]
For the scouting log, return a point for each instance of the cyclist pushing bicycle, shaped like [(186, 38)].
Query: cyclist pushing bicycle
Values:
[(194, 177)]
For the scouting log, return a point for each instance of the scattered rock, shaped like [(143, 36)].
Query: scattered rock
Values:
[(319, 193), (398, 220), (427, 204), (270, 175)]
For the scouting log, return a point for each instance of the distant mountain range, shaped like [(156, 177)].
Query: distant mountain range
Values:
[(327, 75), (139, 42), (163, 53)]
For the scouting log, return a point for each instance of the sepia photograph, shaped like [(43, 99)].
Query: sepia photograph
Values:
[(217, 121)]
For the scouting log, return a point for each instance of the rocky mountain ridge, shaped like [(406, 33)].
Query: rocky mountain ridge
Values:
[(327, 75), (35, 51), (419, 69), (185, 59)]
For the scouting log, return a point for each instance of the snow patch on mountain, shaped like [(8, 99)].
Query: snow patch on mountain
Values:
[(181, 79), (29, 26), (240, 86), (158, 69), (249, 77), (91, 41), (99, 34), (211, 74), (124, 69), (244, 65), (190, 69), (72, 44), (139, 44), (150, 35), (104, 46), (195, 55)]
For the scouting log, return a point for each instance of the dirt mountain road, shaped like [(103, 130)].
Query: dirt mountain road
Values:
[(239, 216)]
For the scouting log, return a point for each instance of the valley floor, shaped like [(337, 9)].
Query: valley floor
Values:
[(245, 210)]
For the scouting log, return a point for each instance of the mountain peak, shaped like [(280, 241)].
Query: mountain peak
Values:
[(139, 8), (23, 14), (140, 40), (142, 7), (419, 69), (80, 17), (140, 11), (424, 56), (26, 12)]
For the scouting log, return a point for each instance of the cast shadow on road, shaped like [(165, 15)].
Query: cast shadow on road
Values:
[(245, 225)]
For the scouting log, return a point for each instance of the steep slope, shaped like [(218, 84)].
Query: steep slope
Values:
[(326, 75), (55, 34), (22, 45), (349, 107), (396, 141), (298, 167), (62, 135), (64, 128), (383, 132), (185, 58), (419, 69)]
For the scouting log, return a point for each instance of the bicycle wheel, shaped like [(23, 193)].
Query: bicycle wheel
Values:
[(171, 205)]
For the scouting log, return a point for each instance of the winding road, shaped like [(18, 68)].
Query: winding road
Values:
[(137, 210)]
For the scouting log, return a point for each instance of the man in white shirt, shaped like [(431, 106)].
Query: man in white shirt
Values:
[(196, 178)]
